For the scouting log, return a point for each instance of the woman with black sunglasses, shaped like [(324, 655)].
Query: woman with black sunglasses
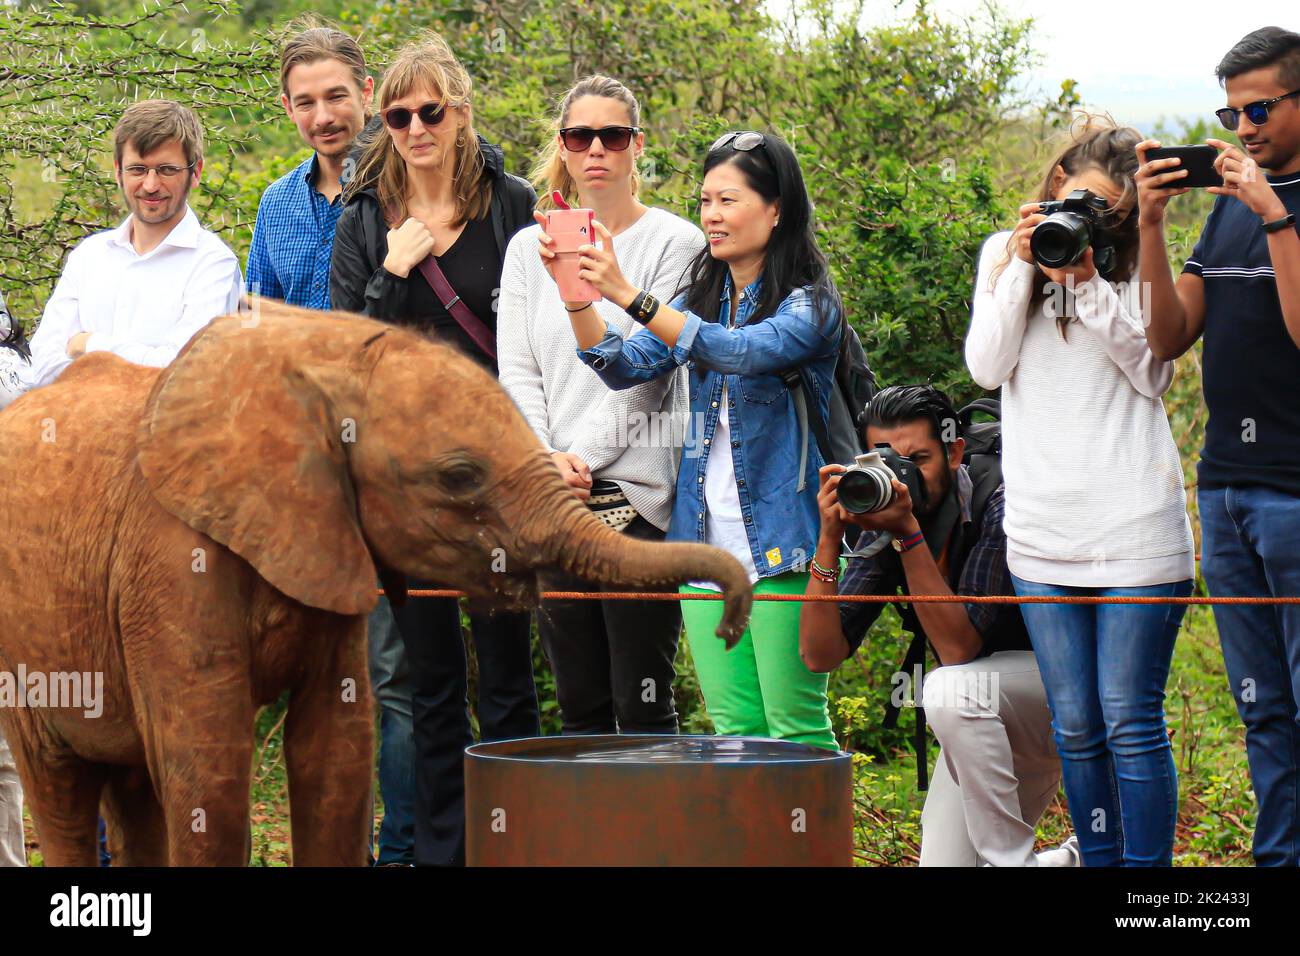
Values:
[(430, 210), (759, 301), (613, 660)]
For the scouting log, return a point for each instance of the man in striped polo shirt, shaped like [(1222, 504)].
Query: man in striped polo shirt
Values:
[(1241, 289)]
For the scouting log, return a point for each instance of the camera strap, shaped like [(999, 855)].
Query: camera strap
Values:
[(938, 530)]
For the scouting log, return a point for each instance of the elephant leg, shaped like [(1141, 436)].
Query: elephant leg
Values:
[(62, 792), (137, 831), (329, 751), (185, 640), (198, 740), (206, 813)]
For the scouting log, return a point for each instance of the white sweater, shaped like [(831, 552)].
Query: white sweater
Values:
[(1094, 484), (633, 436)]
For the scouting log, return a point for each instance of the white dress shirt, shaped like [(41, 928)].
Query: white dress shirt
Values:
[(141, 307)]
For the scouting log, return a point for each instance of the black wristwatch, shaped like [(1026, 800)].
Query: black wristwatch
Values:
[(643, 307), (1277, 225)]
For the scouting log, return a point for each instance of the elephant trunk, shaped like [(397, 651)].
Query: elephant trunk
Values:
[(560, 532)]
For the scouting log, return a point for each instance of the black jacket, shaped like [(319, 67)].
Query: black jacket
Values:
[(358, 280)]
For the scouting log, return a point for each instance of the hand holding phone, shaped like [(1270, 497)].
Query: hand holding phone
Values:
[(1197, 160), (570, 229)]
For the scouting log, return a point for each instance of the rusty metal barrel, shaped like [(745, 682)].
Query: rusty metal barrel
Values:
[(657, 801)]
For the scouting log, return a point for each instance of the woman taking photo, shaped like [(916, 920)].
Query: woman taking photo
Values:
[(601, 652), (1094, 497), (431, 204), (757, 302)]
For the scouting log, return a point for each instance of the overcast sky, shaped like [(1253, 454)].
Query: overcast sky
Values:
[(1138, 59)]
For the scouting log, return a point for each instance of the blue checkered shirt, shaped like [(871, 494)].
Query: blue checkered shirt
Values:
[(293, 240)]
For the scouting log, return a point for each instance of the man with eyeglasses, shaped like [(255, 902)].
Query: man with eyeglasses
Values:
[(143, 289), (1241, 289)]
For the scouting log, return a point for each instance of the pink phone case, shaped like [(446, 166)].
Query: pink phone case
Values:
[(571, 228)]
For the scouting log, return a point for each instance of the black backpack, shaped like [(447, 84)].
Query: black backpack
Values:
[(853, 385), (983, 456)]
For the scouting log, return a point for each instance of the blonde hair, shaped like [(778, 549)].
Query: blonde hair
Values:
[(426, 64), (550, 174), (151, 123), (318, 42)]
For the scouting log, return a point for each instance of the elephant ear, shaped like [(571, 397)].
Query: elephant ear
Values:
[(239, 441)]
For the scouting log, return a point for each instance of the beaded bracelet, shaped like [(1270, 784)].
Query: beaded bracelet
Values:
[(824, 574)]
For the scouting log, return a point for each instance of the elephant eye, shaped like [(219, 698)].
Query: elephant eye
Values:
[(460, 477)]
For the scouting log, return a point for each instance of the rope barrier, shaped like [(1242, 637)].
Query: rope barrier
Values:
[(879, 598)]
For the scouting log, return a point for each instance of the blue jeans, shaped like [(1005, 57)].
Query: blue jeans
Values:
[(1104, 668), (1250, 547), (390, 681)]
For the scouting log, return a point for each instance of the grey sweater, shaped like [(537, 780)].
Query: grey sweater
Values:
[(631, 437)]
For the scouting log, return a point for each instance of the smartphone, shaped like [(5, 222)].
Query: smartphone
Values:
[(1197, 160), (571, 228)]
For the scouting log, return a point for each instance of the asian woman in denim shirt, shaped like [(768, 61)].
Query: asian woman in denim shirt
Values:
[(757, 302)]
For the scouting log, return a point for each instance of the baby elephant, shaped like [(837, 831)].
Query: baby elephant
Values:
[(199, 539)]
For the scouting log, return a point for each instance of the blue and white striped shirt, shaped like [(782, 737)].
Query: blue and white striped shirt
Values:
[(293, 240)]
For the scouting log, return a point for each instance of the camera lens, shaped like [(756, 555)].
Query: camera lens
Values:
[(1060, 240), (864, 490)]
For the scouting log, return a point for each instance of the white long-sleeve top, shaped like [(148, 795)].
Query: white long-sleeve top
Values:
[(1094, 484), (633, 436), (141, 307)]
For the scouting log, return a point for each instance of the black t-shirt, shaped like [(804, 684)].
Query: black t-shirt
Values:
[(1250, 364), (473, 267)]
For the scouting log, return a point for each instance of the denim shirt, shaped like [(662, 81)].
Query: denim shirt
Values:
[(782, 523)]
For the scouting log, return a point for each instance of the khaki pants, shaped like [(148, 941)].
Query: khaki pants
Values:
[(997, 769), (12, 851)]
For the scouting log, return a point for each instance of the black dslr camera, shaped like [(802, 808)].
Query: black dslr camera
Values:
[(1072, 225), (868, 486)]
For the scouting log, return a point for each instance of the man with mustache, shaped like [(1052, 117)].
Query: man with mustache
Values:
[(143, 289), (326, 91)]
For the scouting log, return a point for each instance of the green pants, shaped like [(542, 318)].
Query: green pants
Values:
[(759, 688)]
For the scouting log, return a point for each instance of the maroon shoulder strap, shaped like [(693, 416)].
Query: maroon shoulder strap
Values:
[(474, 326)]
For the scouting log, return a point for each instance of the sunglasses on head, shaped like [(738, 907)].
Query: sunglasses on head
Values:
[(742, 141), (399, 117), (577, 139), (1256, 112)]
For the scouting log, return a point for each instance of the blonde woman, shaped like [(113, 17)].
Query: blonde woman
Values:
[(613, 660)]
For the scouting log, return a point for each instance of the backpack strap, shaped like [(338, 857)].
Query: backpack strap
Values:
[(801, 394), (989, 406)]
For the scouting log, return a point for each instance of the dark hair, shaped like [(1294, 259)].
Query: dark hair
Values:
[(900, 404), (1267, 46), (792, 259)]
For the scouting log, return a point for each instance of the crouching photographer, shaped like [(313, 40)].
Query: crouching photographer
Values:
[(938, 530)]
